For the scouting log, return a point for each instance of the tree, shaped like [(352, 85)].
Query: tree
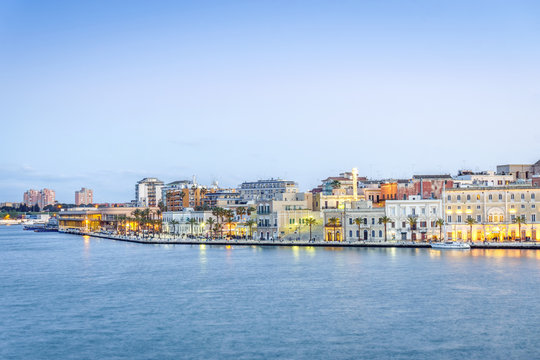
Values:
[(211, 223), (192, 223), (218, 213), (241, 211), (174, 223), (412, 223), (137, 219), (250, 210), (335, 184), (385, 220), (334, 223), (250, 223), (310, 221), (440, 224), (519, 220), (358, 221), (229, 214), (470, 221)]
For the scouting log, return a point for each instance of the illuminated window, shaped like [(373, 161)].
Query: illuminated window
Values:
[(490, 218)]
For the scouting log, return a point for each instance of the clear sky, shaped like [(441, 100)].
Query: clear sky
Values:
[(103, 93)]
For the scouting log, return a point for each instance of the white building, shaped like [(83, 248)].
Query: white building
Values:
[(148, 192), (484, 178), (425, 211), (178, 222)]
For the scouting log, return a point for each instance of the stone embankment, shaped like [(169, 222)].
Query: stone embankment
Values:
[(176, 240)]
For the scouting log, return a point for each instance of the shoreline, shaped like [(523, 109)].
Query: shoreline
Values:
[(204, 241)]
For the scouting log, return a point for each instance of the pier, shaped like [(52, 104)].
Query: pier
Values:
[(170, 240)]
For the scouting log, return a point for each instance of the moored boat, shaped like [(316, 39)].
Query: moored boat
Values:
[(451, 245)]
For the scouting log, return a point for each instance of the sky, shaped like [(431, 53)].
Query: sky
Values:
[(101, 94)]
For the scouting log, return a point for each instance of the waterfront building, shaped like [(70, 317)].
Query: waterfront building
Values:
[(281, 216), (425, 213), (520, 171), (84, 197), (467, 178), (425, 186), (492, 212), (95, 219), (225, 198), (148, 192), (266, 189), (178, 222), (356, 221)]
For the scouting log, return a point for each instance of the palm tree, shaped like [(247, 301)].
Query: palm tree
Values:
[(358, 221), (520, 221), (250, 223), (310, 221), (241, 211), (229, 214), (210, 223), (333, 222), (385, 220), (440, 224), (470, 221), (137, 214), (250, 210), (174, 223), (218, 213), (192, 223), (412, 223)]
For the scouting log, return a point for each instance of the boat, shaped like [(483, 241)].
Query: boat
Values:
[(450, 245)]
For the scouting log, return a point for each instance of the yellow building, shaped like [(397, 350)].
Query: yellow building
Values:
[(490, 213)]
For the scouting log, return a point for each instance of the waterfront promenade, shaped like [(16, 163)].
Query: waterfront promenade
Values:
[(168, 239)]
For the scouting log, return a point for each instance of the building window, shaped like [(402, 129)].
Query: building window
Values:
[(403, 224), (533, 218), (500, 197), (350, 233), (477, 207), (449, 198), (459, 198), (372, 233), (468, 197), (459, 218), (490, 218), (532, 196), (373, 221), (490, 197), (478, 218), (522, 196), (350, 221), (449, 218), (523, 206), (478, 197), (512, 197), (380, 233)]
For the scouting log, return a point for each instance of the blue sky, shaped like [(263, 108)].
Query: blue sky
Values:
[(102, 93)]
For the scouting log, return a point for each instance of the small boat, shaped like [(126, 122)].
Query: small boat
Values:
[(450, 245)]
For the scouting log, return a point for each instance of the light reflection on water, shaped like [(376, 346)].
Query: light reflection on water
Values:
[(133, 301)]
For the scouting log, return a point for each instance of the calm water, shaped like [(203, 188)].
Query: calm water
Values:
[(69, 297)]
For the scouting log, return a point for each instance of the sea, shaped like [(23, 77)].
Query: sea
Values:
[(73, 297)]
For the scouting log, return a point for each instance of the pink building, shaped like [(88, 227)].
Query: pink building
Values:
[(41, 198), (84, 197), (31, 197)]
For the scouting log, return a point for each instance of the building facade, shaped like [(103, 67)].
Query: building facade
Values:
[(358, 222), (266, 189), (425, 213), (520, 171), (148, 192), (493, 212), (84, 197), (40, 198), (425, 186)]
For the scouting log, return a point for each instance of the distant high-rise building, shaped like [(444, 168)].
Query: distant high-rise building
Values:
[(47, 198), (148, 192), (31, 197), (41, 198), (84, 197)]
